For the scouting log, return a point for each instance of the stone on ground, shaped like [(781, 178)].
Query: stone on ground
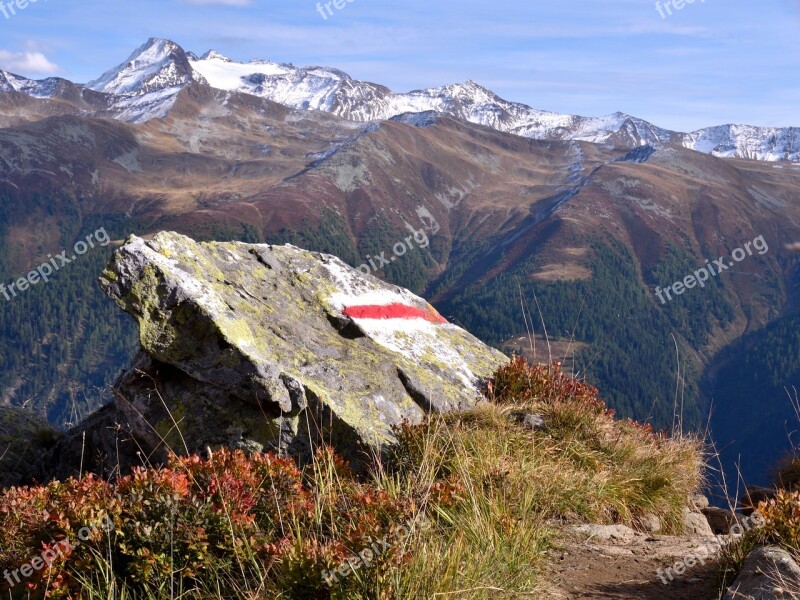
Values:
[(769, 573), (619, 533), (695, 523)]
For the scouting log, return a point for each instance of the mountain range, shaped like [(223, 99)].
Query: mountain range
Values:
[(146, 87), (548, 234)]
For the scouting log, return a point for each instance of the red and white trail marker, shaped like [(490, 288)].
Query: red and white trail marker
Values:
[(398, 320), (394, 310)]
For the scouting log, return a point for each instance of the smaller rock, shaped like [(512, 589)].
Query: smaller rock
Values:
[(619, 533), (720, 520), (695, 523), (767, 574), (698, 502), (532, 421), (650, 523)]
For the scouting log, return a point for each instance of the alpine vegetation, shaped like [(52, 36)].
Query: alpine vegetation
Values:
[(58, 550), (370, 553)]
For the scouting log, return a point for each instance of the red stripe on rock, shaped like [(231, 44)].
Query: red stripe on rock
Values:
[(392, 311)]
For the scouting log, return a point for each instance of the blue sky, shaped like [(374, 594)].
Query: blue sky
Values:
[(711, 62)]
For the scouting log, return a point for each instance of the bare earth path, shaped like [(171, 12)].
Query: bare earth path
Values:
[(625, 569)]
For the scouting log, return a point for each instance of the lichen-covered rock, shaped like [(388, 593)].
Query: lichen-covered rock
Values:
[(261, 346), (650, 523), (532, 421)]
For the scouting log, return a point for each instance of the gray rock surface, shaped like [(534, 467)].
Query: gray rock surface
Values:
[(269, 347), (695, 523), (769, 573), (650, 524), (698, 502), (532, 421), (619, 533)]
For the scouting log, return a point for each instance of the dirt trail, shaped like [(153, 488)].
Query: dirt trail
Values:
[(625, 569)]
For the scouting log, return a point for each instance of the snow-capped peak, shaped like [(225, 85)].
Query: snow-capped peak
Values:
[(148, 83), (333, 91), (156, 65), (469, 89), (214, 55)]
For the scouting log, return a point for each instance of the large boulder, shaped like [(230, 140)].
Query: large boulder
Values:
[(768, 573), (269, 347)]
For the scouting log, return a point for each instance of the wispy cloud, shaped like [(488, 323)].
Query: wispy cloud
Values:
[(27, 63)]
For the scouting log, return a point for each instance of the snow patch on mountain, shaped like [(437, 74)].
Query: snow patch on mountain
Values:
[(745, 141), (420, 119), (44, 88)]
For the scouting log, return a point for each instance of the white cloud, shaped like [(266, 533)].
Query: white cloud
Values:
[(27, 62)]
